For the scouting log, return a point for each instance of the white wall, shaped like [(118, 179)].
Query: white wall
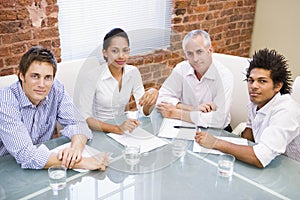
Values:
[(276, 26)]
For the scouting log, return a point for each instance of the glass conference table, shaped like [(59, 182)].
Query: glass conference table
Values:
[(158, 175)]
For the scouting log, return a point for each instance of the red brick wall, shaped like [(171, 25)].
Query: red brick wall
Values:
[(229, 22), (25, 23)]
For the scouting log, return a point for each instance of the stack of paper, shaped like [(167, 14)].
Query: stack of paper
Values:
[(141, 137), (167, 129)]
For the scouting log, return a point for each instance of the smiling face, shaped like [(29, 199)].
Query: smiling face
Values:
[(198, 55), (37, 81), (117, 52), (261, 87)]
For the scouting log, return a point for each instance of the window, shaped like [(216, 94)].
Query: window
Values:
[(83, 25)]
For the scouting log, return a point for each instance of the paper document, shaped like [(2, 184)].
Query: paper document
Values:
[(167, 129), (87, 152), (139, 136), (200, 149)]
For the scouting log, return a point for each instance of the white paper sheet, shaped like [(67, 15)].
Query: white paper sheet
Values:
[(87, 152), (200, 149), (139, 136), (167, 129)]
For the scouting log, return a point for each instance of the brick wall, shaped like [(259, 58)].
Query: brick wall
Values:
[(25, 23), (229, 22)]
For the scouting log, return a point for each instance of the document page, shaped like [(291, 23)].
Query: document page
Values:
[(198, 148), (87, 152), (139, 136), (167, 129)]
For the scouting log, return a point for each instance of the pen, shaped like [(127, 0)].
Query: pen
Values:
[(189, 127)]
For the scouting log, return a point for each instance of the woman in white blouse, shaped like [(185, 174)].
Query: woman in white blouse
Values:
[(106, 91)]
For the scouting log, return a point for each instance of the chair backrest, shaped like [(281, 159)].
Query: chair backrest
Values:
[(7, 80), (237, 65), (67, 72), (296, 89)]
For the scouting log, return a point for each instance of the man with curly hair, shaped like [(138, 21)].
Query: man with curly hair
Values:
[(273, 116)]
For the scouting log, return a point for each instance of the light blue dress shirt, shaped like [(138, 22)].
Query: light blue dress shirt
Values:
[(23, 126)]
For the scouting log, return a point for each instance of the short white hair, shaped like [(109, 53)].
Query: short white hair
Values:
[(195, 33)]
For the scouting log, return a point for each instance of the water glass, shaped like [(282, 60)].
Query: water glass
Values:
[(179, 147), (132, 154), (57, 177), (225, 165)]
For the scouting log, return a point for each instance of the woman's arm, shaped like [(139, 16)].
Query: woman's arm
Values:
[(98, 125)]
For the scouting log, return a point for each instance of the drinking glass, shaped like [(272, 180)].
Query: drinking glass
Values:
[(132, 154), (179, 147), (57, 177), (225, 165)]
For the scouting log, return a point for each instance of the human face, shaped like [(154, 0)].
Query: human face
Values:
[(37, 81), (117, 53), (198, 55), (261, 87)]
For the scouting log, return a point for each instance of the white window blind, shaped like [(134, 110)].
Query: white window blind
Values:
[(84, 23)]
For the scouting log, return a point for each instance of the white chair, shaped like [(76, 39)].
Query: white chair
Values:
[(296, 89), (67, 72), (7, 80), (237, 65)]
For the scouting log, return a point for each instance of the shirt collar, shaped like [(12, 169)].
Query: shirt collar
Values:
[(24, 101), (211, 72), (107, 74), (268, 106)]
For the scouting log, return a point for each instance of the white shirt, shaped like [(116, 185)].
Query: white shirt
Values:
[(99, 95), (275, 128), (215, 86)]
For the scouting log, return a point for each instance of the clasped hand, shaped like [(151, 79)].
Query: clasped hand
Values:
[(166, 109), (69, 157)]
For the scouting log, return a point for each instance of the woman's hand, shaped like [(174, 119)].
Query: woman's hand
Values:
[(129, 125), (149, 98)]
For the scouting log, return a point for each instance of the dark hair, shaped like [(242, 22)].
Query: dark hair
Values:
[(110, 35), (36, 53), (276, 64)]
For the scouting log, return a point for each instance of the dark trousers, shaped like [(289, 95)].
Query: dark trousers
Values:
[(228, 128)]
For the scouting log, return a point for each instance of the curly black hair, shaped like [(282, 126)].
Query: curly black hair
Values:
[(276, 64)]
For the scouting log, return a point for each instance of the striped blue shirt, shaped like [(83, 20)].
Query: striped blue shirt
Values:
[(23, 126)]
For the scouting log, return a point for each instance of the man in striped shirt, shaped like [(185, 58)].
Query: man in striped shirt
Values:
[(29, 110)]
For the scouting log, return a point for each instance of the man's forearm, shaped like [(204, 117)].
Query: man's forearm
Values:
[(184, 107), (182, 115)]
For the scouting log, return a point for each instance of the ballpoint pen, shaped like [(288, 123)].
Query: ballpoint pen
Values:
[(187, 127), (198, 128)]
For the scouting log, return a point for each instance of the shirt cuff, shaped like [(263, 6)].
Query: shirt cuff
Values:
[(39, 160), (196, 119), (264, 154)]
